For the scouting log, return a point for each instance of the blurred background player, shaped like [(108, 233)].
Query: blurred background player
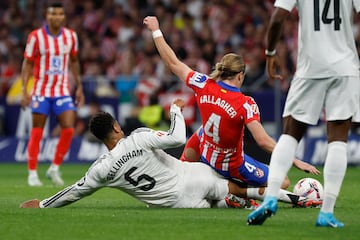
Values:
[(327, 77), (50, 50)]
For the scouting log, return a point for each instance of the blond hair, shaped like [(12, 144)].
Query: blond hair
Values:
[(229, 65)]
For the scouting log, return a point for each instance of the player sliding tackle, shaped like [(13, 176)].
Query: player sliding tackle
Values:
[(137, 165)]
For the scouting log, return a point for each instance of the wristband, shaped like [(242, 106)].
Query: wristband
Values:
[(270, 53), (157, 33)]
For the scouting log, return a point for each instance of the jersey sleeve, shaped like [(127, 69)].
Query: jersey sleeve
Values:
[(251, 110), (31, 47), (87, 185), (196, 80), (176, 136), (356, 4), (285, 4), (75, 47)]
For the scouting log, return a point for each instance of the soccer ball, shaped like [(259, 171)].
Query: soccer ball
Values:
[(309, 188)]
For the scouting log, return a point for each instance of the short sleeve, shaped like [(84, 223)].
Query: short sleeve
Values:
[(252, 110), (285, 4)]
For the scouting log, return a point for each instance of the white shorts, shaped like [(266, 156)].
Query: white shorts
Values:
[(337, 96), (201, 186)]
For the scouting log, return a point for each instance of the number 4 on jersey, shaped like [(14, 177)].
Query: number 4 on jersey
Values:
[(211, 127)]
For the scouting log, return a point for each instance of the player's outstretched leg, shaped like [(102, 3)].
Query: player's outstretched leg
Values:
[(328, 220), (266, 209)]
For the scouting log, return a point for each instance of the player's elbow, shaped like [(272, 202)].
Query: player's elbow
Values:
[(179, 140), (174, 66)]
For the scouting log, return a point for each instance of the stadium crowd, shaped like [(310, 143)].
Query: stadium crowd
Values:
[(117, 54)]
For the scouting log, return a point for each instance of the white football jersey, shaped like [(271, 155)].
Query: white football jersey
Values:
[(138, 166), (326, 45)]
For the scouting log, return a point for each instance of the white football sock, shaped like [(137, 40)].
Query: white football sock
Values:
[(54, 167), (220, 204), (334, 172), (284, 195), (254, 194), (281, 160), (33, 173)]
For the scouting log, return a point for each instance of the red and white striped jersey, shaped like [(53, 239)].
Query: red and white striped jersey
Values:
[(51, 56), (224, 113)]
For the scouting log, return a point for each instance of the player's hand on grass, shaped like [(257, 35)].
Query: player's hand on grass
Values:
[(34, 203), (306, 167)]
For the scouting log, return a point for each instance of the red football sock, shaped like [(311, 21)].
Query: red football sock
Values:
[(34, 147), (63, 145), (192, 145)]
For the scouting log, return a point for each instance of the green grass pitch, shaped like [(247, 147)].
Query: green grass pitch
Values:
[(110, 214)]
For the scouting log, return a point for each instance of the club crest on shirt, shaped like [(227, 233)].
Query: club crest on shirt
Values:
[(66, 49), (35, 104), (259, 173), (160, 134)]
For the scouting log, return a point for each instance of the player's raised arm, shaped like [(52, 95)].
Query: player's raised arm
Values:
[(179, 68), (176, 135), (273, 35)]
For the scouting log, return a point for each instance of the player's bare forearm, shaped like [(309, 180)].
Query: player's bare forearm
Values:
[(75, 68), (166, 53), (273, 35), (306, 167), (275, 27), (261, 137), (26, 71), (79, 94)]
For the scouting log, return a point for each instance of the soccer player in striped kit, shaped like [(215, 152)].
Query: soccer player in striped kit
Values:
[(50, 50), (225, 112)]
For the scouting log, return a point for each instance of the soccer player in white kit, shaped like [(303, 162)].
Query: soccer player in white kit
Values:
[(327, 77), (136, 165)]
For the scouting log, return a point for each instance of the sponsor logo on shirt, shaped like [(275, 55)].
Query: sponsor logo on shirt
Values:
[(198, 80), (62, 101)]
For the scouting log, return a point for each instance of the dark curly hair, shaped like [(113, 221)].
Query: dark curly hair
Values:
[(55, 4), (101, 125)]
